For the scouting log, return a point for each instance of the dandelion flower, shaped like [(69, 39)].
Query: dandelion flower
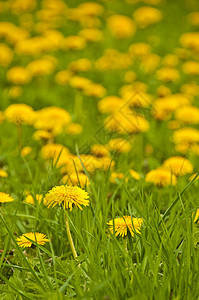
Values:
[(178, 165), (161, 177), (68, 195), (5, 198), (3, 173), (24, 240), (122, 224)]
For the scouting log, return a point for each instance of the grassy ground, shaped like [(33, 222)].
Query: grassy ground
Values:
[(160, 262)]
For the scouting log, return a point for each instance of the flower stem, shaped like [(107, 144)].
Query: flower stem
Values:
[(78, 106), (70, 238), (19, 132)]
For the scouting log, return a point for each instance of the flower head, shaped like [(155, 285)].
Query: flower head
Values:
[(5, 198), (161, 177), (122, 224), (68, 195), (24, 240)]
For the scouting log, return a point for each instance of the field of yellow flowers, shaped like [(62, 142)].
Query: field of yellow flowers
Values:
[(99, 149)]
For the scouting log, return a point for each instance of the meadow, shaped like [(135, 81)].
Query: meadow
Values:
[(99, 147)]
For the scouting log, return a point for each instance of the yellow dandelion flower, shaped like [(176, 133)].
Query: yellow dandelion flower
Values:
[(20, 114), (42, 135), (18, 75), (110, 104), (134, 174), (114, 176), (5, 198), (119, 145), (122, 225), (121, 26), (6, 55), (68, 195), (178, 165), (95, 90), (80, 65), (99, 150), (187, 114), (146, 16), (76, 179), (74, 42), (30, 199), (3, 173), (168, 74), (24, 240), (74, 129), (161, 177), (91, 34), (25, 151)]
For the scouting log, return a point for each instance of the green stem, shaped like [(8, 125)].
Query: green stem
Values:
[(70, 238), (78, 106), (19, 132)]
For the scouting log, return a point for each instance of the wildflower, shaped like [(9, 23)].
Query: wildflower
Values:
[(168, 74), (126, 122), (41, 67), (122, 225), (26, 151), (186, 135), (15, 91), (74, 129), (190, 40), (170, 60), (139, 49), (69, 196), (110, 104), (161, 177), (20, 114), (99, 150), (63, 77), (115, 175), (24, 240), (134, 174), (42, 135), (178, 165), (29, 198), (3, 173), (79, 83), (6, 55), (18, 75), (130, 76), (5, 198), (91, 9), (52, 119), (163, 91), (121, 26), (95, 90), (54, 151), (164, 107), (194, 18), (146, 15), (74, 42), (119, 145), (80, 65), (191, 68), (76, 179), (91, 34), (187, 114)]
